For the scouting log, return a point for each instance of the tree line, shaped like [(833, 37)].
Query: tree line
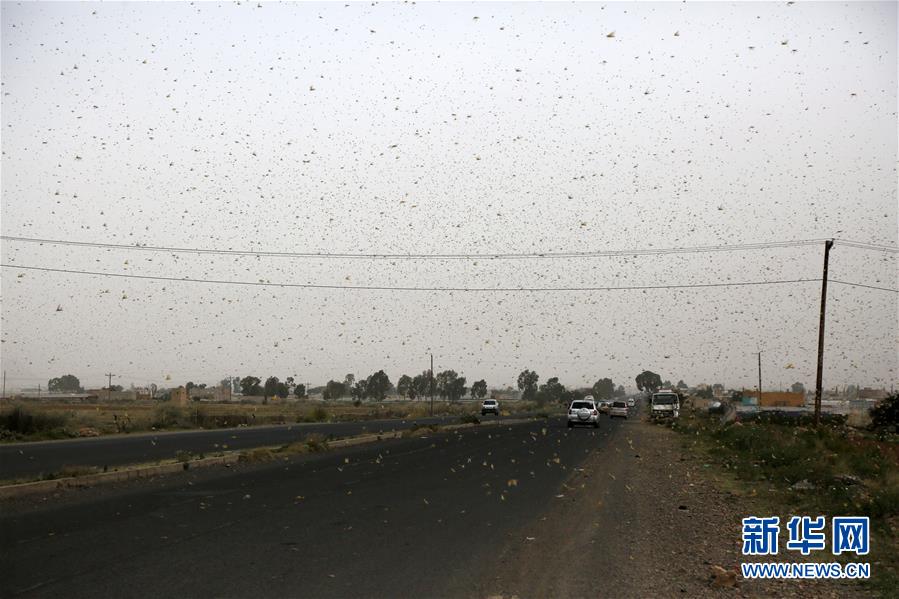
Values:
[(552, 391)]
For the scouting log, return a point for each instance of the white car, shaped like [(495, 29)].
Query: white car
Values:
[(490, 406), (631, 402), (583, 412), (619, 408)]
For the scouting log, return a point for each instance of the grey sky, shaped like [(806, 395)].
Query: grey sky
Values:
[(463, 128)]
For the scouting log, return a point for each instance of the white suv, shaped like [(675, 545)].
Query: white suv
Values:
[(490, 406), (583, 412)]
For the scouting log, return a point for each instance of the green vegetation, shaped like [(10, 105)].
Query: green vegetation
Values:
[(67, 383), (885, 416), (648, 381), (795, 468), (22, 422)]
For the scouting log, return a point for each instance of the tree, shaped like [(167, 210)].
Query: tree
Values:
[(422, 383), (681, 384), (67, 383), (527, 383), (405, 387), (620, 392), (479, 389), (885, 415), (603, 389), (450, 385), (718, 389), (249, 385), (648, 381), (334, 390), (282, 390), (377, 385), (797, 388), (551, 392), (359, 390), (348, 381), (271, 386), (190, 385), (667, 385), (300, 390)]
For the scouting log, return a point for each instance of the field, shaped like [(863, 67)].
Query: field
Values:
[(789, 467), (40, 420)]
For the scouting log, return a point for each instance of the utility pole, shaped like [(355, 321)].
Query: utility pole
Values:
[(431, 384), (760, 379), (827, 245), (38, 390), (109, 387), (4, 385)]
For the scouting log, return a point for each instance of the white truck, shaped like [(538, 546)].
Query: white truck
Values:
[(665, 403)]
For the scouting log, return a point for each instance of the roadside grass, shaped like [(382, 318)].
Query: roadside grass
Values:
[(23, 422), (794, 468), (419, 431), (33, 421)]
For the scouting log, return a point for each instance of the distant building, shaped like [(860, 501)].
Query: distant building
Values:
[(875, 394), (179, 396), (61, 397)]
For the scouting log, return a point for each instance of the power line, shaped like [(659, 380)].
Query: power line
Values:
[(411, 256), (868, 246), (865, 286), (389, 288)]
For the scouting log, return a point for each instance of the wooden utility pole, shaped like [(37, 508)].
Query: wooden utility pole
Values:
[(760, 379), (827, 245), (109, 387), (431, 384)]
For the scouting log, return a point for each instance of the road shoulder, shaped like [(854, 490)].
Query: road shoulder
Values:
[(648, 515)]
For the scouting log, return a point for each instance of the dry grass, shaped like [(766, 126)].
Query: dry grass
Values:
[(91, 419)]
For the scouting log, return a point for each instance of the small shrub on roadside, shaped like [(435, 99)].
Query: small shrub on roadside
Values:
[(885, 415), (316, 442), (168, 416), (23, 421)]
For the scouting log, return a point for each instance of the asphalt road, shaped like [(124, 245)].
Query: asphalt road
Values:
[(418, 517), (21, 460)]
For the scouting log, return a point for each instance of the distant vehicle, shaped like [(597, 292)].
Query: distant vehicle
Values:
[(490, 406), (665, 404), (716, 407), (583, 412), (631, 402), (619, 408), (604, 406)]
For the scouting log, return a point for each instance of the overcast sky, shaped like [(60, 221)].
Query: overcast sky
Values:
[(453, 128)]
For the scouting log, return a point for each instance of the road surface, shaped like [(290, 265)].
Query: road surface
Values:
[(402, 518), (22, 460)]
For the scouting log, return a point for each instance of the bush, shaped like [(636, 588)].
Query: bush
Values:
[(23, 421), (885, 415), (168, 416), (319, 414), (470, 419)]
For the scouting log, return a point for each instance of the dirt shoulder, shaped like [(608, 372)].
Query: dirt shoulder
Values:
[(643, 518)]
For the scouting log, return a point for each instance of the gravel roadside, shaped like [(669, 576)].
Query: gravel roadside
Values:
[(643, 518)]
